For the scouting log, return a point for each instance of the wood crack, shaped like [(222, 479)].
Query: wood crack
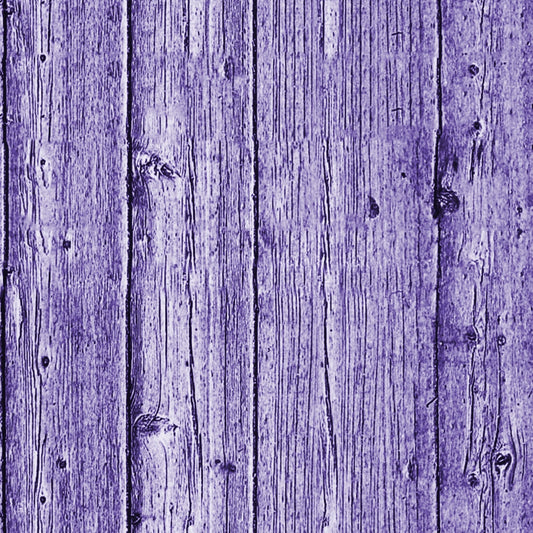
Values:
[(255, 356), (129, 266), (437, 185), (5, 269)]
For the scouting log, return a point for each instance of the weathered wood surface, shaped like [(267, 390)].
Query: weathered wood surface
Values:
[(485, 285), (65, 326), (267, 267), (347, 266), (192, 266)]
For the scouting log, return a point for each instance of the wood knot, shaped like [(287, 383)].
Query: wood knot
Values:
[(229, 68), (152, 425), (502, 462), (471, 334), (226, 467), (229, 467), (473, 480), (373, 207), (473, 69), (411, 469), (150, 166), (501, 340), (447, 201)]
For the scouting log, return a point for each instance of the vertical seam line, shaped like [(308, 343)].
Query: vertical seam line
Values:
[(255, 361), (437, 213), (5, 270), (129, 188)]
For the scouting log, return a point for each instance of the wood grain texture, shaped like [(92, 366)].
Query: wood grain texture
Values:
[(192, 266), (485, 313), (298, 233), (65, 328), (347, 266)]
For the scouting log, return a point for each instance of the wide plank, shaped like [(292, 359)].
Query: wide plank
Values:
[(347, 266), (65, 427), (485, 292), (191, 292)]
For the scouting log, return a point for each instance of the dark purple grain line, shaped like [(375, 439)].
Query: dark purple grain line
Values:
[(129, 265), (437, 185), (255, 283), (5, 261)]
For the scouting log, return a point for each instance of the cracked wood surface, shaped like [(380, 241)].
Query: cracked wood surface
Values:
[(64, 320), (347, 266), (192, 266), (267, 266), (485, 314)]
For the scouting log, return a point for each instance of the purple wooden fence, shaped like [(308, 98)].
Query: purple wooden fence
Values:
[(267, 266)]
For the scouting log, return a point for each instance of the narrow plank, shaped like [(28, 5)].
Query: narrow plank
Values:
[(485, 316), (347, 266), (65, 324), (192, 265)]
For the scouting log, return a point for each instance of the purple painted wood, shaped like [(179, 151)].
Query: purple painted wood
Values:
[(485, 313), (321, 255), (347, 266), (65, 292), (192, 266)]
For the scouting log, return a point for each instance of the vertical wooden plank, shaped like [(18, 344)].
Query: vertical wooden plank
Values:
[(192, 265), (347, 266), (65, 341), (486, 318)]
